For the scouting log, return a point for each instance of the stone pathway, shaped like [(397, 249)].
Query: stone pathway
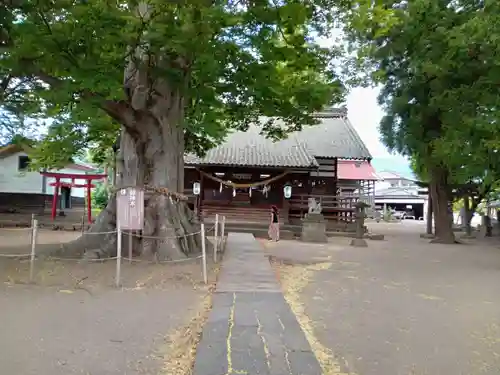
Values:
[(251, 329)]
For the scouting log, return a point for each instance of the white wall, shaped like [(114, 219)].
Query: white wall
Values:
[(14, 181)]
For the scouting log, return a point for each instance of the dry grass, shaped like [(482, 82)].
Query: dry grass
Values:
[(294, 278), (78, 273), (180, 350), (97, 275)]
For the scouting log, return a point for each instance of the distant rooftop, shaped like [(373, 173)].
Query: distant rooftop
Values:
[(390, 175), (393, 165)]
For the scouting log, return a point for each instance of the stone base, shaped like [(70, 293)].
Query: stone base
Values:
[(426, 235), (468, 236), (359, 242), (314, 229), (376, 237)]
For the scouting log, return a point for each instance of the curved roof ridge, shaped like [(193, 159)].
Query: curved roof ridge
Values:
[(358, 139), (332, 112)]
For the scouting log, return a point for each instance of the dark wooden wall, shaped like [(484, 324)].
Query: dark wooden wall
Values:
[(32, 203)]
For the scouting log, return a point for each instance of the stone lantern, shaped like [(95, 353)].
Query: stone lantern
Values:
[(360, 215)]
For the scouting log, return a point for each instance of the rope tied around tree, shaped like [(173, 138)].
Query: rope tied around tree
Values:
[(152, 189), (243, 186)]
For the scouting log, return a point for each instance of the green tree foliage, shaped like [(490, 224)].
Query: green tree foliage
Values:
[(233, 61), (100, 197), (437, 62), (169, 76)]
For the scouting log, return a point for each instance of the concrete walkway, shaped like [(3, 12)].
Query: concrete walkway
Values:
[(251, 329)]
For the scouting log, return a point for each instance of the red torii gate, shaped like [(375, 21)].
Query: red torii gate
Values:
[(73, 176)]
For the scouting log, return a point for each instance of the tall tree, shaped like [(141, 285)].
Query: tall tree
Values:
[(438, 62), (169, 76)]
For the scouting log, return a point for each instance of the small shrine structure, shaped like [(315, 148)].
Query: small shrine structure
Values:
[(59, 176)]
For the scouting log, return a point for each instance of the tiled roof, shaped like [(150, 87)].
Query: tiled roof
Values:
[(397, 191), (252, 149), (333, 137)]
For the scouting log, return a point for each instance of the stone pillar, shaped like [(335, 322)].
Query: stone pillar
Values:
[(428, 220), (314, 228), (486, 229), (358, 240)]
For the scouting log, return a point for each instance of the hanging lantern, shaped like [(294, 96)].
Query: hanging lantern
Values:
[(220, 188), (250, 192), (234, 192), (196, 188), (287, 191)]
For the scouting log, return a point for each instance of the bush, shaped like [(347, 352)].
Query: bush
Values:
[(100, 197)]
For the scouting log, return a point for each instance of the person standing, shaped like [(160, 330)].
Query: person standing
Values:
[(274, 226)]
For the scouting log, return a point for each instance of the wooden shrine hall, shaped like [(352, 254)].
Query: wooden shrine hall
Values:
[(247, 174)]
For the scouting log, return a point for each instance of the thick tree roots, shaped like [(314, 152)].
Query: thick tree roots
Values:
[(171, 232)]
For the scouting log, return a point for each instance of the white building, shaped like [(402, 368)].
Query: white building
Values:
[(402, 194), (20, 187)]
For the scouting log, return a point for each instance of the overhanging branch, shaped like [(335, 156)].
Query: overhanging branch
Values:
[(119, 110)]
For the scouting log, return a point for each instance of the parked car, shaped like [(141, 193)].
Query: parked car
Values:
[(399, 215)]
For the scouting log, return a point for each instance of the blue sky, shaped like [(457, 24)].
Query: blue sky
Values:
[(365, 115)]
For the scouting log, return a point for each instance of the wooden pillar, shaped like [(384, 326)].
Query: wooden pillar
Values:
[(285, 207), (335, 176), (201, 196), (304, 200), (55, 199), (89, 202)]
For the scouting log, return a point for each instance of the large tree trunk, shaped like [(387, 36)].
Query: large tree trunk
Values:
[(151, 154), (443, 222), (154, 160), (428, 224)]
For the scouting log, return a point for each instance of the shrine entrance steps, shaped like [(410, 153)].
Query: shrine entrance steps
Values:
[(251, 329), (238, 214)]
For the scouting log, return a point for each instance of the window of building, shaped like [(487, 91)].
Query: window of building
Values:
[(23, 163)]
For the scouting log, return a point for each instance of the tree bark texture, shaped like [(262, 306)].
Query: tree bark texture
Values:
[(443, 222), (151, 154), (168, 224)]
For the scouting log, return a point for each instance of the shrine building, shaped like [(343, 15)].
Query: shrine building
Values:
[(247, 174)]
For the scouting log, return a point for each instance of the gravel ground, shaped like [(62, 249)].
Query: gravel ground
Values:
[(400, 306)]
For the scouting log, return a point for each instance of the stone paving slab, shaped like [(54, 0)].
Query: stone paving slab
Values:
[(251, 329)]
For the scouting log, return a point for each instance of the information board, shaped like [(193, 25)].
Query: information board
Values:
[(130, 208)]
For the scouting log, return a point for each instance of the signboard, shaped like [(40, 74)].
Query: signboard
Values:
[(130, 208)]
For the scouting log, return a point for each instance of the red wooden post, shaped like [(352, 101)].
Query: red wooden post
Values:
[(55, 198), (88, 178), (89, 203)]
